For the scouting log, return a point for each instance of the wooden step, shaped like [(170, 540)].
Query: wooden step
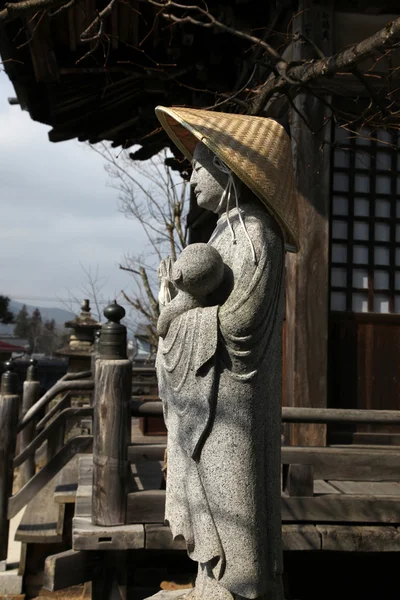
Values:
[(43, 519)]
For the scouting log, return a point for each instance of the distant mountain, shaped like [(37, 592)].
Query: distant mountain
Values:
[(59, 315)]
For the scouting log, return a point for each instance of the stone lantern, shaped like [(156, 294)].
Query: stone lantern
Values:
[(80, 346)]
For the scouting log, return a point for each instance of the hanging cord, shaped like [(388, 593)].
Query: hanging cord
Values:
[(227, 193)]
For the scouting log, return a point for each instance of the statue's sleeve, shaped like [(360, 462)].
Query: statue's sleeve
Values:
[(257, 287)]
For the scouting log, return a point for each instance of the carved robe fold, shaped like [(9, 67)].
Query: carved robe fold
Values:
[(219, 371)]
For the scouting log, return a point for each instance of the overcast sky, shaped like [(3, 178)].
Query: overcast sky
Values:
[(56, 212)]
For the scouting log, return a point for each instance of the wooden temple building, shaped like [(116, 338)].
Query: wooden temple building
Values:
[(341, 356)]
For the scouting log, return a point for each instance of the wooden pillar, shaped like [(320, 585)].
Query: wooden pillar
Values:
[(307, 296), (30, 395), (9, 409), (111, 422), (95, 353)]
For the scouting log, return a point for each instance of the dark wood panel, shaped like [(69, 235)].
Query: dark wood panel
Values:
[(364, 366)]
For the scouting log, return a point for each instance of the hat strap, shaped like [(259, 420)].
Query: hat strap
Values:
[(227, 193)]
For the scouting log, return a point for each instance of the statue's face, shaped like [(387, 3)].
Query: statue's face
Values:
[(207, 181)]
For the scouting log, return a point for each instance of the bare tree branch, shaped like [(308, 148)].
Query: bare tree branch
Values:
[(344, 61)]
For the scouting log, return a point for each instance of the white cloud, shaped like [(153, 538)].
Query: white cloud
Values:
[(56, 212)]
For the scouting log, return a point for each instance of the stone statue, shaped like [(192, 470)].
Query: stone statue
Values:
[(219, 357), (197, 273)]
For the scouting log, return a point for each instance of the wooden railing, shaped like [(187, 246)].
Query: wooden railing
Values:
[(111, 410), (33, 434)]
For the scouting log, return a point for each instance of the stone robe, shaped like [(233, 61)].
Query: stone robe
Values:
[(219, 371)]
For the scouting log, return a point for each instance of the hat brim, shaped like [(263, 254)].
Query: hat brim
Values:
[(186, 137)]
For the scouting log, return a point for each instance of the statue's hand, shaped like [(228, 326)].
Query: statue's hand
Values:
[(167, 290)]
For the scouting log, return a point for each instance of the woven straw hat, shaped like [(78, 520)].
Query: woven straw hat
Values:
[(256, 149)]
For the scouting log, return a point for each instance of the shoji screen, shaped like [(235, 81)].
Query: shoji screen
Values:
[(365, 223)]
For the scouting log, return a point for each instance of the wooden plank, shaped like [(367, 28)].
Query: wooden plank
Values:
[(86, 536), (292, 414), (111, 437), (342, 509), (347, 464), (295, 537), (159, 537), (146, 476), (146, 452), (83, 501), (367, 488), (146, 409), (69, 568), (52, 433), (61, 386), (343, 538), (67, 482), (307, 273), (149, 507), (46, 474), (41, 525), (137, 436), (146, 507), (324, 487), (299, 480), (301, 537), (85, 476), (58, 406)]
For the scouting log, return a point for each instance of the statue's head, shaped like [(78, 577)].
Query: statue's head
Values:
[(254, 151), (199, 270), (208, 181)]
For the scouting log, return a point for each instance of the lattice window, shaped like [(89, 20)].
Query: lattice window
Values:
[(365, 223)]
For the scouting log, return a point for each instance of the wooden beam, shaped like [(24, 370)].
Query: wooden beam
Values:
[(146, 409), (340, 415), (86, 536), (299, 480), (149, 507), (70, 414), (354, 538), (159, 537), (307, 299), (40, 526), (300, 537), (74, 446), (341, 509), (69, 568), (146, 507), (146, 452), (354, 464), (63, 385)]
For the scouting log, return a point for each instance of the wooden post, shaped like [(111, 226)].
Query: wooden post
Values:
[(30, 395), (95, 353), (111, 422), (307, 294), (9, 409)]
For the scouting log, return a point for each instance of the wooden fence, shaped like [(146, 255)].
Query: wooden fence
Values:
[(111, 408)]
